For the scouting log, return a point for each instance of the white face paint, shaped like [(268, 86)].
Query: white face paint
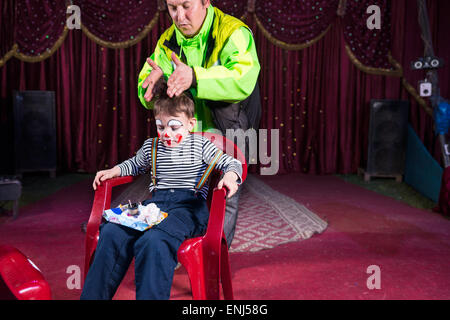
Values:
[(174, 123), (173, 129)]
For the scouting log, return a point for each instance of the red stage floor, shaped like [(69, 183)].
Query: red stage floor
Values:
[(410, 246)]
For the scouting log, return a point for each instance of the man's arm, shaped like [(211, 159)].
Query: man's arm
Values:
[(231, 81), (160, 58), (235, 79)]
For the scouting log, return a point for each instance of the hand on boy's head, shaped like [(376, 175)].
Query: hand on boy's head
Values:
[(181, 79), (152, 79), (229, 180)]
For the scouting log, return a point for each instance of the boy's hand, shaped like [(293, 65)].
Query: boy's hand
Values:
[(105, 175), (229, 180)]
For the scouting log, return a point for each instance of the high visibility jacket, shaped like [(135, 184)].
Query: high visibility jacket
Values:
[(223, 56)]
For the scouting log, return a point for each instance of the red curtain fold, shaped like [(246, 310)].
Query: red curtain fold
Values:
[(39, 24), (293, 21), (407, 46), (99, 118), (371, 47), (7, 22), (116, 20), (236, 8)]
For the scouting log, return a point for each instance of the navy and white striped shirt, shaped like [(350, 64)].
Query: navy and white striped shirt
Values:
[(181, 166)]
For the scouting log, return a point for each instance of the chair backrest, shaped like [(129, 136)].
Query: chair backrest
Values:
[(102, 200)]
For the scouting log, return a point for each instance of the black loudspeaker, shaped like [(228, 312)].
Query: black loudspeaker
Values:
[(388, 132), (34, 131)]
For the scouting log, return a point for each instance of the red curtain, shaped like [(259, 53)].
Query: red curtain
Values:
[(320, 101), (100, 120), (316, 97)]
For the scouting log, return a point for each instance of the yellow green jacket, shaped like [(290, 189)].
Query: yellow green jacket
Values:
[(229, 74)]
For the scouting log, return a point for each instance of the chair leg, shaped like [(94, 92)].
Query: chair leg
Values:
[(225, 272), (197, 283)]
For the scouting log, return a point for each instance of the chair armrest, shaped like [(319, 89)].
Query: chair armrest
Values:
[(214, 231), (102, 201), (118, 181)]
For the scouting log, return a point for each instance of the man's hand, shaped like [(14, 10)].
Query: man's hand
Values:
[(229, 180), (152, 78), (181, 78), (105, 175)]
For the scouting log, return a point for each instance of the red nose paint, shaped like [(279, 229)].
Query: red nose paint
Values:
[(166, 135)]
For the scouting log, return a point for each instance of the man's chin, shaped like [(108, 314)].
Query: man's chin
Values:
[(186, 31)]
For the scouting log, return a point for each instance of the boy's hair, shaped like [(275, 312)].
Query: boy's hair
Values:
[(172, 106)]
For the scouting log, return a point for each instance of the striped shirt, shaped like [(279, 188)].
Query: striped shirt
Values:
[(181, 166)]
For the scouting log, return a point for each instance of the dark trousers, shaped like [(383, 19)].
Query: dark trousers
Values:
[(232, 205), (155, 250), (231, 215)]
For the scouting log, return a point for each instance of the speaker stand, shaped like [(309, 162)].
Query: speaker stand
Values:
[(368, 176)]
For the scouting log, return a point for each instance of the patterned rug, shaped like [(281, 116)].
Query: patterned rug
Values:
[(266, 218)]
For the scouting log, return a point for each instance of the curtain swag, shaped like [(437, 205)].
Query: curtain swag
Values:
[(288, 24), (276, 19), (121, 44)]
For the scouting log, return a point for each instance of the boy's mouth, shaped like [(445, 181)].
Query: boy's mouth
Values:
[(170, 141)]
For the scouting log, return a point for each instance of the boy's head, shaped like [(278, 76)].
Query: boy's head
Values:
[(174, 118)]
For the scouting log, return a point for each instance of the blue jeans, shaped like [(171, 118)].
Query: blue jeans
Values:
[(155, 250)]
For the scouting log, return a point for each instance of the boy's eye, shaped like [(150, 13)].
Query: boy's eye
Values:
[(175, 128)]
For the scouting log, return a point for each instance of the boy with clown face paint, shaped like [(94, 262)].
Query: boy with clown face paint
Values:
[(166, 135), (181, 159)]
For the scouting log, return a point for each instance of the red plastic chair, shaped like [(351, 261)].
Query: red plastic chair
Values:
[(205, 258), (19, 278)]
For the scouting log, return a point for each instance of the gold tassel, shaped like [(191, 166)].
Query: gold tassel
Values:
[(342, 8), (251, 6)]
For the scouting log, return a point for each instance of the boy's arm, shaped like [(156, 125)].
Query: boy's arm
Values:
[(138, 164), (226, 163)]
